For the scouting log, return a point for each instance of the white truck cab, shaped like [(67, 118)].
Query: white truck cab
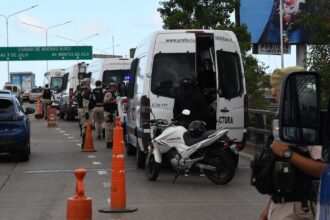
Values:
[(166, 57)]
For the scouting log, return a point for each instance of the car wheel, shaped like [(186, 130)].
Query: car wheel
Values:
[(140, 158), (25, 155), (130, 149)]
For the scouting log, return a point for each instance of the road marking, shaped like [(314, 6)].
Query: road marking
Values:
[(108, 201), (76, 140), (91, 156), (96, 163), (66, 134), (70, 137), (106, 185), (61, 131), (102, 172), (57, 128)]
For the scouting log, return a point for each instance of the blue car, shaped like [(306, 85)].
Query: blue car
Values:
[(14, 127)]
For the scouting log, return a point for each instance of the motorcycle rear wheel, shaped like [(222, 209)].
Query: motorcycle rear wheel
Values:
[(152, 168), (225, 167)]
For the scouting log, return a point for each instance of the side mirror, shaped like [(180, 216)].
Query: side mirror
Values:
[(186, 112), (299, 110), (29, 111)]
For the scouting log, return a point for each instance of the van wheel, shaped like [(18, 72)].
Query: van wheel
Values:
[(130, 149), (140, 158)]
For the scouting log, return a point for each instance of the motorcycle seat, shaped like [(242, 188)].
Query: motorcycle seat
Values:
[(189, 140)]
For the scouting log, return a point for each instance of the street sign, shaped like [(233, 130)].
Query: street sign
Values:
[(46, 53)]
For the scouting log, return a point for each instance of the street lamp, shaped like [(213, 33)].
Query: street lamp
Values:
[(7, 17), (46, 30), (77, 41)]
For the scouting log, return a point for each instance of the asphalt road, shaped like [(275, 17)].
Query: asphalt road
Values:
[(39, 189)]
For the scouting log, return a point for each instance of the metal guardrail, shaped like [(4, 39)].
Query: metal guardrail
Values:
[(259, 126)]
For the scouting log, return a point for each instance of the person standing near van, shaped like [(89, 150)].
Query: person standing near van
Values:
[(110, 112), (79, 99), (97, 98), (47, 95), (294, 200), (189, 97), (86, 94)]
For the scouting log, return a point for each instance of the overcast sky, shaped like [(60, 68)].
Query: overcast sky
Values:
[(127, 21)]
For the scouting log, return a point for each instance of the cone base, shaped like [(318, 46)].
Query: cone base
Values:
[(88, 150), (110, 210), (38, 116)]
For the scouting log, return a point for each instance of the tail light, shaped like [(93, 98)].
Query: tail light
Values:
[(240, 146), (124, 104), (70, 93), (18, 117)]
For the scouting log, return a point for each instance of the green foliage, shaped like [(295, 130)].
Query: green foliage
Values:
[(215, 14), (318, 59)]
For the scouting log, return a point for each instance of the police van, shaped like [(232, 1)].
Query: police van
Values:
[(163, 59), (112, 70)]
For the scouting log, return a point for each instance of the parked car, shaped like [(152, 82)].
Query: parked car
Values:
[(14, 127), (35, 92), (26, 95), (5, 91)]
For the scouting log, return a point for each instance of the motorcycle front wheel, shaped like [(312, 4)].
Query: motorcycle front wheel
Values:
[(225, 167), (152, 168)]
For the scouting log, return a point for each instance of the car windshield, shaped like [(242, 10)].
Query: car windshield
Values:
[(36, 90), (56, 83), (116, 76), (6, 106), (168, 70)]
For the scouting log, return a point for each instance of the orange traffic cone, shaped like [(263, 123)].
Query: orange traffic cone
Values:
[(79, 207), (118, 185), (88, 145), (39, 114)]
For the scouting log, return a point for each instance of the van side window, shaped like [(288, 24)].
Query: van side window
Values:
[(230, 75), (167, 71), (134, 65)]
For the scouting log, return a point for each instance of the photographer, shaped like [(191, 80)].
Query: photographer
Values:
[(110, 112), (291, 191)]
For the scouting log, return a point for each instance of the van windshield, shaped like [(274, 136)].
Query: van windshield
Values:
[(56, 83), (167, 71), (116, 76)]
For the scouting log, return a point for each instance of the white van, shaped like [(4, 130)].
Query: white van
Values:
[(71, 79), (112, 70), (166, 57)]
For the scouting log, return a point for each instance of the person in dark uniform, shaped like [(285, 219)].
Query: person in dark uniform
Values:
[(79, 99), (189, 97), (47, 95), (110, 112), (97, 98)]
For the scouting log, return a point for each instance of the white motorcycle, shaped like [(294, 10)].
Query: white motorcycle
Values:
[(186, 149)]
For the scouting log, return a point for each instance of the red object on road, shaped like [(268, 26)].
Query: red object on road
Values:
[(51, 117)]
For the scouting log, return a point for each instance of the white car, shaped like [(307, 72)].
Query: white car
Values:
[(35, 92)]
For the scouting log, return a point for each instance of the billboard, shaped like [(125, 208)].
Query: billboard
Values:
[(263, 20)]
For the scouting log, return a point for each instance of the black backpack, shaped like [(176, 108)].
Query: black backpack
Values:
[(262, 169)]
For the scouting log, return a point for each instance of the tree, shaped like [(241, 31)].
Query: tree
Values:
[(318, 59), (215, 14)]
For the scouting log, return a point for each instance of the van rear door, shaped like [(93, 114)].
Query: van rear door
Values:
[(173, 59), (230, 86)]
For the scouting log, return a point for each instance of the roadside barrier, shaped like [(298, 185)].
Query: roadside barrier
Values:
[(118, 182), (88, 145), (79, 207), (39, 114), (51, 117)]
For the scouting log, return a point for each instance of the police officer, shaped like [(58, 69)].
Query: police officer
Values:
[(86, 94), (47, 95), (110, 112), (190, 97), (307, 165), (79, 99), (97, 98)]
